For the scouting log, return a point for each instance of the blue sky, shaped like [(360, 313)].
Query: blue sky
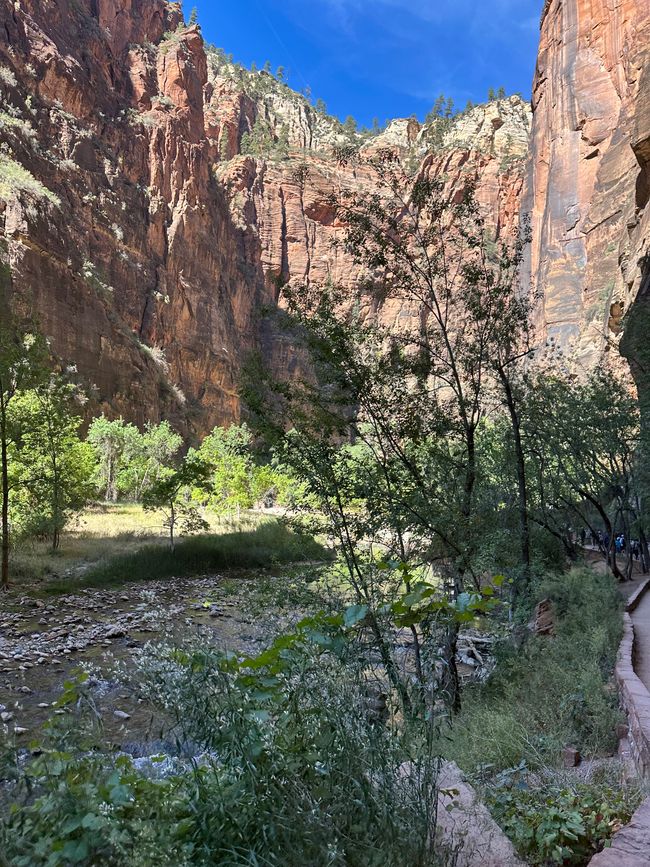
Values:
[(382, 58)]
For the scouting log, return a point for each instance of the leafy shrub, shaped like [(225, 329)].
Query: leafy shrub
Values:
[(563, 824), (288, 768), (16, 179), (7, 77)]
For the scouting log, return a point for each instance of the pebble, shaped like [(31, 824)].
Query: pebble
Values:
[(6, 716), (120, 714), (19, 730)]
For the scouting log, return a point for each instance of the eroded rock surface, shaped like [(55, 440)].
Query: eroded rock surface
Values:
[(587, 183), (142, 239)]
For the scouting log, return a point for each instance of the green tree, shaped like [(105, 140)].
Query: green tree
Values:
[(109, 439), (411, 402), (23, 359), (491, 95), (267, 66), (194, 17), (350, 126), (280, 73), (582, 458), (437, 109), (253, 67), (227, 451), (145, 456), (501, 93), (51, 465), (321, 106), (171, 494)]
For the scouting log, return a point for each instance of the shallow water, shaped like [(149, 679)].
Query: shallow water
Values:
[(43, 642)]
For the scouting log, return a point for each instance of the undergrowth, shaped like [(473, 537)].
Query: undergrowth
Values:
[(279, 763), (550, 692), (563, 822)]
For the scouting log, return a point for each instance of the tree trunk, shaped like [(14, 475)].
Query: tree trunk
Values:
[(172, 522), (524, 525), (451, 681), (56, 505), (645, 553), (4, 460)]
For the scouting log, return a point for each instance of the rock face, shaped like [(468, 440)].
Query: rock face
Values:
[(153, 197), (588, 179)]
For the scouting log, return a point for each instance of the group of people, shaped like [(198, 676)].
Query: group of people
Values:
[(602, 540)]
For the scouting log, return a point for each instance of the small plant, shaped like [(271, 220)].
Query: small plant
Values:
[(7, 77), (562, 825), (15, 179)]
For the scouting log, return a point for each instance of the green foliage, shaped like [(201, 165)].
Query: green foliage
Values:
[(50, 467), (145, 457), (304, 775), (265, 143), (350, 126), (15, 179), (7, 77), (582, 457), (237, 480), (171, 493), (130, 462), (23, 365), (562, 824), (552, 691), (270, 544), (109, 441)]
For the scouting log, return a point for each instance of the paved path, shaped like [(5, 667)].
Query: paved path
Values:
[(641, 621)]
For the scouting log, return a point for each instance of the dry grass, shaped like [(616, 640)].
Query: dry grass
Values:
[(102, 531)]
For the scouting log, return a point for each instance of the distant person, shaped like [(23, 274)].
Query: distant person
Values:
[(583, 537)]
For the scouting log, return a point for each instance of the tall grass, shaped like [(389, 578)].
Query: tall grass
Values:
[(269, 544), (552, 691)]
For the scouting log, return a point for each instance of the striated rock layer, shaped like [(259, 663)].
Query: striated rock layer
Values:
[(588, 179), (142, 239), (154, 196)]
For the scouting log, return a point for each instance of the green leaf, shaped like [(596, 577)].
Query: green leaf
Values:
[(354, 614)]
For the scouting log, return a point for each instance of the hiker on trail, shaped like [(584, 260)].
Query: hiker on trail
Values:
[(583, 537), (636, 549)]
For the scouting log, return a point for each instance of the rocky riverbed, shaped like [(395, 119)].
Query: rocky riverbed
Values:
[(44, 640)]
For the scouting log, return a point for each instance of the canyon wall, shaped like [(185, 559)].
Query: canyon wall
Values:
[(587, 183), (154, 197)]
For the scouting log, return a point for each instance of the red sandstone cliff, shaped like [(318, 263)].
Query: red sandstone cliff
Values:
[(145, 244), (588, 180)]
